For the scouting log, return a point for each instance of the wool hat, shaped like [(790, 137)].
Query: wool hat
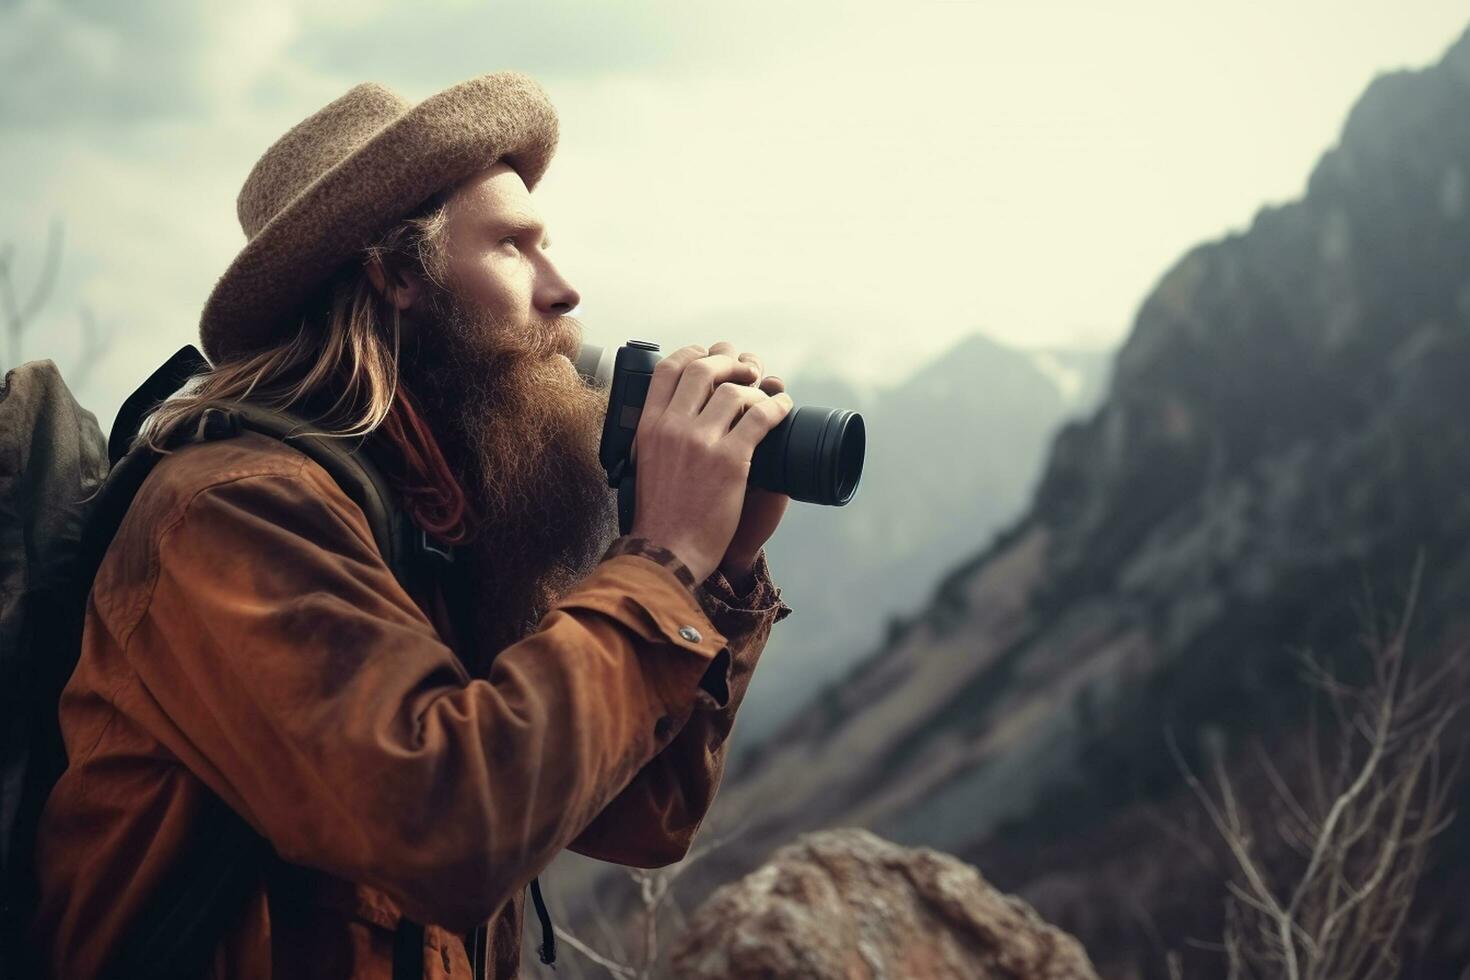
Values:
[(344, 175)]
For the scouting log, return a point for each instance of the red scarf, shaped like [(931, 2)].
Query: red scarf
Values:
[(429, 492)]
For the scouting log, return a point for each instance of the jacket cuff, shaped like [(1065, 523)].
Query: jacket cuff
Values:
[(718, 596)]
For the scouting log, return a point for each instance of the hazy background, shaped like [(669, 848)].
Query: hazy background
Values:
[(1159, 315), (851, 186)]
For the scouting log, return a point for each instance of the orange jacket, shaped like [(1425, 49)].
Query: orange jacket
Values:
[(244, 636)]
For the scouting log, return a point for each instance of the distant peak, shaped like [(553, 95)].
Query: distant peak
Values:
[(1459, 53)]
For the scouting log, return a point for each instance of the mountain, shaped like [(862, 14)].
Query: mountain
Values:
[(954, 451), (1284, 425)]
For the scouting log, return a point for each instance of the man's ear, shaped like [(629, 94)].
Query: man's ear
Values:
[(405, 289)]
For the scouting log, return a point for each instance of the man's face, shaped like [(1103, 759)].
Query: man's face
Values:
[(497, 258), (489, 355)]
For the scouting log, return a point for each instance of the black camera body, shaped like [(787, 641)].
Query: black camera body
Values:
[(813, 455)]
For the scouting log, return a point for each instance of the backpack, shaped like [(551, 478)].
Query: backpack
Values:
[(64, 491)]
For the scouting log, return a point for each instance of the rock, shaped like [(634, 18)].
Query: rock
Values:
[(848, 905)]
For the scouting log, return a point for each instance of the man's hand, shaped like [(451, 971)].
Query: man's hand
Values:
[(704, 414), (761, 514)]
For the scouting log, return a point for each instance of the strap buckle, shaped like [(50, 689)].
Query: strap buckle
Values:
[(212, 424), (427, 545)]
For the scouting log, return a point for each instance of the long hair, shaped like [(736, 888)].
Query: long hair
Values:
[(342, 361)]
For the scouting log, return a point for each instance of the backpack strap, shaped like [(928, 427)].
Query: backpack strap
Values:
[(408, 551), (169, 378), (346, 462)]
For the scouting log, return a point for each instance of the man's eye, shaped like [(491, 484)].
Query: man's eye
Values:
[(508, 240)]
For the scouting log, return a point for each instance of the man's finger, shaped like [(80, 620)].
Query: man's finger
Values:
[(729, 402), (701, 376), (760, 367), (772, 385), (759, 420), (725, 347), (665, 380)]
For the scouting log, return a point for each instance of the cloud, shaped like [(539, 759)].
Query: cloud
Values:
[(102, 62), (410, 43), (449, 41)]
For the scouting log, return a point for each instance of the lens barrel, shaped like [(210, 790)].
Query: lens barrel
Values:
[(814, 455)]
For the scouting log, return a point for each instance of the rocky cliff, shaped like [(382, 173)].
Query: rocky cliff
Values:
[(1284, 426)]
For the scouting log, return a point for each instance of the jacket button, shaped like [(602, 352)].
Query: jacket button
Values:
[(689, 633), (662, 726)]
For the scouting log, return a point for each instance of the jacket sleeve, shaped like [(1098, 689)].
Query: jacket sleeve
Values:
[(278, 658), (652, 822)]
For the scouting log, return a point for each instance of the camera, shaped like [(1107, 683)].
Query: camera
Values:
[(814, 455)]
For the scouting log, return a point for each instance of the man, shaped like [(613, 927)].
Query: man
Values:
[(409, 757)]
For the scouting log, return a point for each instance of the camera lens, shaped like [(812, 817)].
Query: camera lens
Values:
[(814, 455)]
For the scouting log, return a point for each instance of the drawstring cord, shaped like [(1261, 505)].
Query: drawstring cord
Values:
[(548, 932)]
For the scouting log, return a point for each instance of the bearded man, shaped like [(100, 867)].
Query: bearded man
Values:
[(410, 759)]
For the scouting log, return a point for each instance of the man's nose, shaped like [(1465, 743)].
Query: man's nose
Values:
[(554, 295)]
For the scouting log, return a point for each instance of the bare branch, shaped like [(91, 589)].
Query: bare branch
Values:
[(50, 268), (654, 886), (1375, 810), (17, 314), (611, 966)]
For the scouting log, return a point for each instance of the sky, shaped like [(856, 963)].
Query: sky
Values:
[(844, 187)]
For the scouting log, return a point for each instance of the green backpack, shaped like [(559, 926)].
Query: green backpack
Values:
[(64, 491)]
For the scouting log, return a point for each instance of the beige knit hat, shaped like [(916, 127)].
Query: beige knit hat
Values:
[(340, 178)]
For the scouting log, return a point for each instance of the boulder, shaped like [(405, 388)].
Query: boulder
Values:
[(848, 905)]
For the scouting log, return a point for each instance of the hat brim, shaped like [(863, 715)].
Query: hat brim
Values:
[(455, 134)]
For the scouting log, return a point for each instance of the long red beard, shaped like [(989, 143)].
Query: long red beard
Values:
[(518, 431)]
